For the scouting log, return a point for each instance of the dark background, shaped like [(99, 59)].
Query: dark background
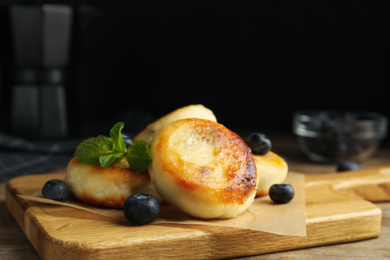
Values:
[(252, 62)]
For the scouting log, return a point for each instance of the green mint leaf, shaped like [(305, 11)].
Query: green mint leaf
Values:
[(138, 156), (105, 150), (89, 150), (115, 133), (106, 160)]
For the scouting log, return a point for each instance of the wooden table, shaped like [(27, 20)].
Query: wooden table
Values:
[(15, 245)]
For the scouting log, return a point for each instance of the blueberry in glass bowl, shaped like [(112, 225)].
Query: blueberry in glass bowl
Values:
[(333, 136)]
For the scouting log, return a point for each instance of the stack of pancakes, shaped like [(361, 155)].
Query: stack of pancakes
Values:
[(199, 166)]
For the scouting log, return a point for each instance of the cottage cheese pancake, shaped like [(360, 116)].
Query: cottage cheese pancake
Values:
[(191, 111), (203, 168), (271, 169), (108, 187), (198, 165)]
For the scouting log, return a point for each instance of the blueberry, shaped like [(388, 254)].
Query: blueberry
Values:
[(347, 166), (55, 190), (259, 143), (141, 208), (281, 193)]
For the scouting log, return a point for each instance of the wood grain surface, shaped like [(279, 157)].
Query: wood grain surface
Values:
[(336, 212)]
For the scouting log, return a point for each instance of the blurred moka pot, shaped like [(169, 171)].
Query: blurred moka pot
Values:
[(41, 43)]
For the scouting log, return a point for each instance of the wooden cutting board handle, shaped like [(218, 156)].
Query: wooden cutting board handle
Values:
[(371, 184)]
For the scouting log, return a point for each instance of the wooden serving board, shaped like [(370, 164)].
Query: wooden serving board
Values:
[(337, 210)]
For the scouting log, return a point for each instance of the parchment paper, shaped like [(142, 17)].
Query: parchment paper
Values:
[(263, 215)]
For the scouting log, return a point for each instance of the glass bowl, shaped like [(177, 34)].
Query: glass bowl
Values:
[(334, 136)]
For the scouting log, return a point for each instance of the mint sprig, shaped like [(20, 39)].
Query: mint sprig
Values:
[(118, 143), (105, 151), (89, 150), (138, 156)]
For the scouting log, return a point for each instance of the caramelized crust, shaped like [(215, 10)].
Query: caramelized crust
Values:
[(191, 111), (200, 162), (108, 187), (271, 169)]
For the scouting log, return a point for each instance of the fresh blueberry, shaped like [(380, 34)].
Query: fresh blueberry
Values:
[(281, 193), (55, 190), (347, 166), (259, 143), (141, 208)]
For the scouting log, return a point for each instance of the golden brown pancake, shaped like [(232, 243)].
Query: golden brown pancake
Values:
[(271, 169), (108, 187), (203, 168), (191, 111)]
